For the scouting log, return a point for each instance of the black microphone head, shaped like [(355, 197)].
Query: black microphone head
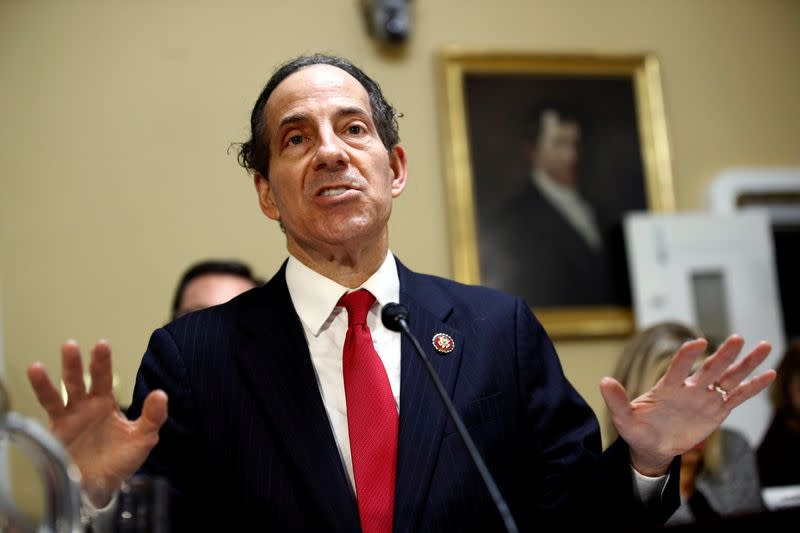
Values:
[(393, 315)]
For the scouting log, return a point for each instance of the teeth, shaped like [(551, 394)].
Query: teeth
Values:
[(334, 192)]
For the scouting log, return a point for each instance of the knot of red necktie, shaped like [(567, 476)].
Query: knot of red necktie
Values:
[(357, 304)]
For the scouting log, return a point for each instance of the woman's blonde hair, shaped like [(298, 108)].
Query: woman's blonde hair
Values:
[(645, 359)]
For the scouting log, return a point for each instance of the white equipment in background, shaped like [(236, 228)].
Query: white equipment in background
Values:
[(775, 192), (713, 271)]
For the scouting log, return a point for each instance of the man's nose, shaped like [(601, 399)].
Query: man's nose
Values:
[(331, 153)]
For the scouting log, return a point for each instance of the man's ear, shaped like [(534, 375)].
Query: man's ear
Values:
[(266, 197), (397, 160)]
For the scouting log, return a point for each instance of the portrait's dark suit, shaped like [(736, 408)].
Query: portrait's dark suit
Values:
[(529, 248), (248, 436)]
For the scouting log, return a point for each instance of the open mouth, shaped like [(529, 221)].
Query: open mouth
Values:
[(334, 191)]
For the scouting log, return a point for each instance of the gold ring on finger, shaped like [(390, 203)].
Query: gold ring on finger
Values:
[(718, 388)]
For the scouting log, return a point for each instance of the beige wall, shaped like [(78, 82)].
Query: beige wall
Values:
[(116, 117)]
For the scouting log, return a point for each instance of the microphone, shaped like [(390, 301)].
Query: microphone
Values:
[(395, 317)]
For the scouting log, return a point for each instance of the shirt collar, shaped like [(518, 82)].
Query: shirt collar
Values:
[(314, 296), (555, 192)]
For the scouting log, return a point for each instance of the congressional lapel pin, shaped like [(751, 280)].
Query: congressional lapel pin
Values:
[(443, 343)]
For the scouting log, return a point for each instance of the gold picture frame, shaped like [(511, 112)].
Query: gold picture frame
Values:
[(475, 82)]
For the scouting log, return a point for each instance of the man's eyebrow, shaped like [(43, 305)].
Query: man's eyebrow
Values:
[(351, 110), (343, 112), (291, 119)]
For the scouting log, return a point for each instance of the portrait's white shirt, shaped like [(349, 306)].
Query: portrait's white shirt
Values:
[(572, 207), (325, 325)]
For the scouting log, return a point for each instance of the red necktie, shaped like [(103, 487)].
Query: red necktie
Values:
[(372, 418)]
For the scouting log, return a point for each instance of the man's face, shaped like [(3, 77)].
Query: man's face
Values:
[(558, 149), (211, 289), (331, 180)]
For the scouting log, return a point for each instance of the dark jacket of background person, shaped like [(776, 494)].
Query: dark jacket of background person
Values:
[(779, 452)]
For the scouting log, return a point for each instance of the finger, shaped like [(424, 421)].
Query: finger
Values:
[(154, 412), (714, 366), (681, 365), (749, 388), (741, 369), (100, 369), (616, 398), (46, 393), (72, 372)]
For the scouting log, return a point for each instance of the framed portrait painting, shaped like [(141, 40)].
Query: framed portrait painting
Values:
[(545, 154)]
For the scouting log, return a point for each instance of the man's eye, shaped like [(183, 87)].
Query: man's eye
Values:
[(354, 130), (296, 139)]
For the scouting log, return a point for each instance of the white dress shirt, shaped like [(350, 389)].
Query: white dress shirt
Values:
[(566, 200), (325, 325)]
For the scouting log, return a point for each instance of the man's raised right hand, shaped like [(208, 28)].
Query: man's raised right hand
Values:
[(106, 447)]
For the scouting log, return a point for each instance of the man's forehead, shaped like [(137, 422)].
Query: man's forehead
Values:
[(315, 84), (551, 118)]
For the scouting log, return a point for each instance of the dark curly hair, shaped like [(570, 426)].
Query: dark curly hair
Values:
[(254, 153)]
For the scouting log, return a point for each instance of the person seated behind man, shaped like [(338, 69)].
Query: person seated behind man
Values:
[(777, 453), (211, 282), (718, 477), (204, 284)]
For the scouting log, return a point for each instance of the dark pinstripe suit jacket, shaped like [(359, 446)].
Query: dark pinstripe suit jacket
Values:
[(248, 438)]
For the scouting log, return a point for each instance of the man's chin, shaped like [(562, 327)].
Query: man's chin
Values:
[(567, 180), (354, 229)]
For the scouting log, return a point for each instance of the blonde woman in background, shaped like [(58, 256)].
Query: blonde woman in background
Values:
[(719, 476)]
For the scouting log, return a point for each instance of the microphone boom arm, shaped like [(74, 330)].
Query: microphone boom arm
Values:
[(394, 317)]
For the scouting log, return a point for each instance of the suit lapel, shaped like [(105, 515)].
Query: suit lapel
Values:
[(422, 414), (276, 366)]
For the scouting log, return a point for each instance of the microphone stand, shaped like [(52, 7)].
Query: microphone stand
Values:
[(394, 317)]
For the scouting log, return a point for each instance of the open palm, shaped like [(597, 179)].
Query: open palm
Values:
[(106, 447), (683, 408)]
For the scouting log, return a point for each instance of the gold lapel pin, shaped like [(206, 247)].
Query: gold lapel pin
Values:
[(443, 343)]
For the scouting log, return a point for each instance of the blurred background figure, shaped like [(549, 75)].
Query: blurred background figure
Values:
[(203, 284), (719, 477), (564, 260), (778, 462), (211, 282)]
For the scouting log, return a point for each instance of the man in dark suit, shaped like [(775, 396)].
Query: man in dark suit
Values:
[(547, 243), (292, 407)]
